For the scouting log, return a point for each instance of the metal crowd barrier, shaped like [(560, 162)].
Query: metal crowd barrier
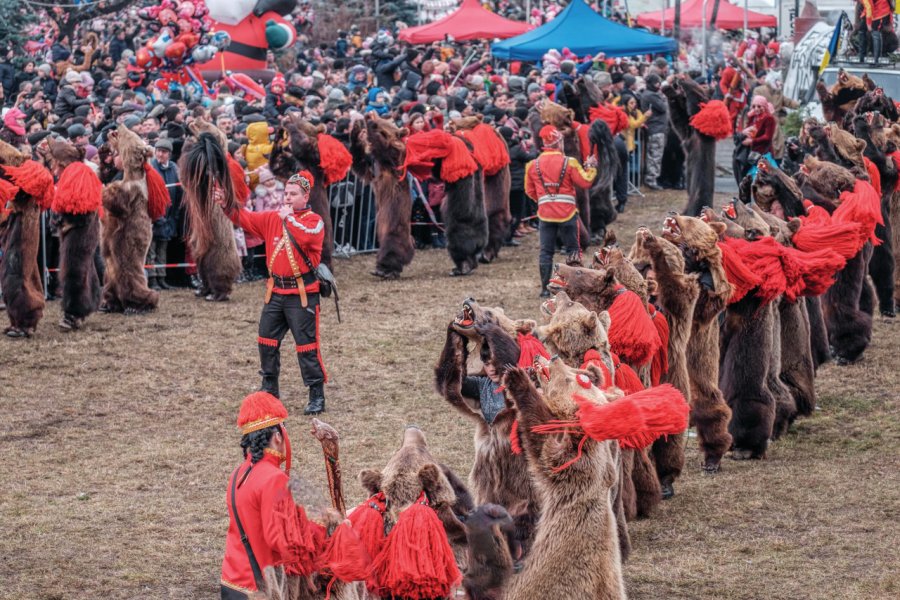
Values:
[(352, 216), (636, 164)]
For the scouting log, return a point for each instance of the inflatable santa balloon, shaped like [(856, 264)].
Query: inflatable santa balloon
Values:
[(254, 27)]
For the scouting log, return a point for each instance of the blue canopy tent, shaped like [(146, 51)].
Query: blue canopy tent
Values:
[(582, 31)]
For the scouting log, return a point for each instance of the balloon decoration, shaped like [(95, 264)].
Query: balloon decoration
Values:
[(183, 39), (255, 27)]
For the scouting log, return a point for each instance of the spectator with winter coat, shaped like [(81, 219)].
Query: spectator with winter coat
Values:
[(657, 125), (71, 95), (164, 228)]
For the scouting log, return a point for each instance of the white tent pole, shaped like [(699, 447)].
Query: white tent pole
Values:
[(705, 27), (745, 19), (662, 19)]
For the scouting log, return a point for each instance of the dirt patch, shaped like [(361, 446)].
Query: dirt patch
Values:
[(121, 438)]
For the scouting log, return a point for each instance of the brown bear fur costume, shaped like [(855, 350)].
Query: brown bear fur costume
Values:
[(79, 234), (576, 550), (296, 148), (20, 234), (870, 129), (489, 552), (498, 475), (685, 97), (849, 326), (572, 331), (773, 190), (677, 293), (378, 151), (842, 96), (750, 359), (127, 229), (496, 190), (611, 258), (203, 167), (411, 470), (709, 412)]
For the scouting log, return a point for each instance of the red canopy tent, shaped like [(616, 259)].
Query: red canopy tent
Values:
[(470, 22), (729, 17)]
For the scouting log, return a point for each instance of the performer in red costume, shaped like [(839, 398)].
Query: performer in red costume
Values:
[(255, 27)]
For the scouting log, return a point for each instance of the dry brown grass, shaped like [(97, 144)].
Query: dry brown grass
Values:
[(119, 440)]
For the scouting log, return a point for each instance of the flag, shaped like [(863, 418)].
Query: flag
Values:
[(834, 45)]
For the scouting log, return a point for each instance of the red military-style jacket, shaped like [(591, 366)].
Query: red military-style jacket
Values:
[(556, 198), (308, 230), (259, 498)]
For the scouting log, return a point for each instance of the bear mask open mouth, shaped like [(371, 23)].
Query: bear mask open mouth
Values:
[(548, 307), (671, 227), (466, 317), (729, 212), (602, 256)]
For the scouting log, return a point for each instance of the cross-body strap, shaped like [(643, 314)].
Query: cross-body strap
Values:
[(562, 175), (254, 565)]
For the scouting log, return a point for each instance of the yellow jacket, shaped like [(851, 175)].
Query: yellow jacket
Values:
[(634, 123), (259, 148)]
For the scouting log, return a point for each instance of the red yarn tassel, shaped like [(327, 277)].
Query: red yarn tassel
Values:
[(874, 175), (34, 179), (423, 149), (660, 364), (817, 234), (863, 206), (529, 348), (514, 442), (488, 147), (738, 274), (8, 191), (612, 115), (345, 557), (238, 180), (417, 561), (458, 163), (301, 548), (632, 334), (583, 132), (158, 198), (713, 119), (895, 156), (817, 270), (626, 379), (334, 158), (637, 419), (368, 523), (78, 190)]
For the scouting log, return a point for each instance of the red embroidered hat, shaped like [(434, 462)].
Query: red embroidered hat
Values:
[(260, 410), (304, 179)]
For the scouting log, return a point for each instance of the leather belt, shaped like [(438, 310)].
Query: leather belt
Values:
[(289, 283)]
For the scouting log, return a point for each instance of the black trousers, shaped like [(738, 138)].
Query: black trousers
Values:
[(284, 312), (549, 232), (620, 184)]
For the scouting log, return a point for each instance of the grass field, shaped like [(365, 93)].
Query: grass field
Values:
[(119, 440)]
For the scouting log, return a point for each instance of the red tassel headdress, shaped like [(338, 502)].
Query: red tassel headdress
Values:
[(78, 190), (34, 179), (260, 410), (632, 334), (863, 206), (158, 199), (713, 119), (488, 147), (238, 180), (612, 115), (424, 148), (660, 364), (334, 159)]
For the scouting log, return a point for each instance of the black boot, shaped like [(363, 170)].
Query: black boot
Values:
[(152, 283), (546, 272), (316, 403), (270, 367)]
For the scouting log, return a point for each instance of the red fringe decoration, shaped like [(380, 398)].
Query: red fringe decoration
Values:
[(874, 175), (488, 147), (818, 232), (613, 115), (296, 537), (764, 258), (583, 131), (714, 120), (238, 180), (529, 348), (34, 179), (632, 334), (158, 199), (78, 190), (8, 191), (368, 523), (626, 379), (863, 206), (417, 562), (334, 158), (635, 420), (742, 279), (660, 364), (424, 148), (345, 557), (592, 357), (515, 443), (817, 269)]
